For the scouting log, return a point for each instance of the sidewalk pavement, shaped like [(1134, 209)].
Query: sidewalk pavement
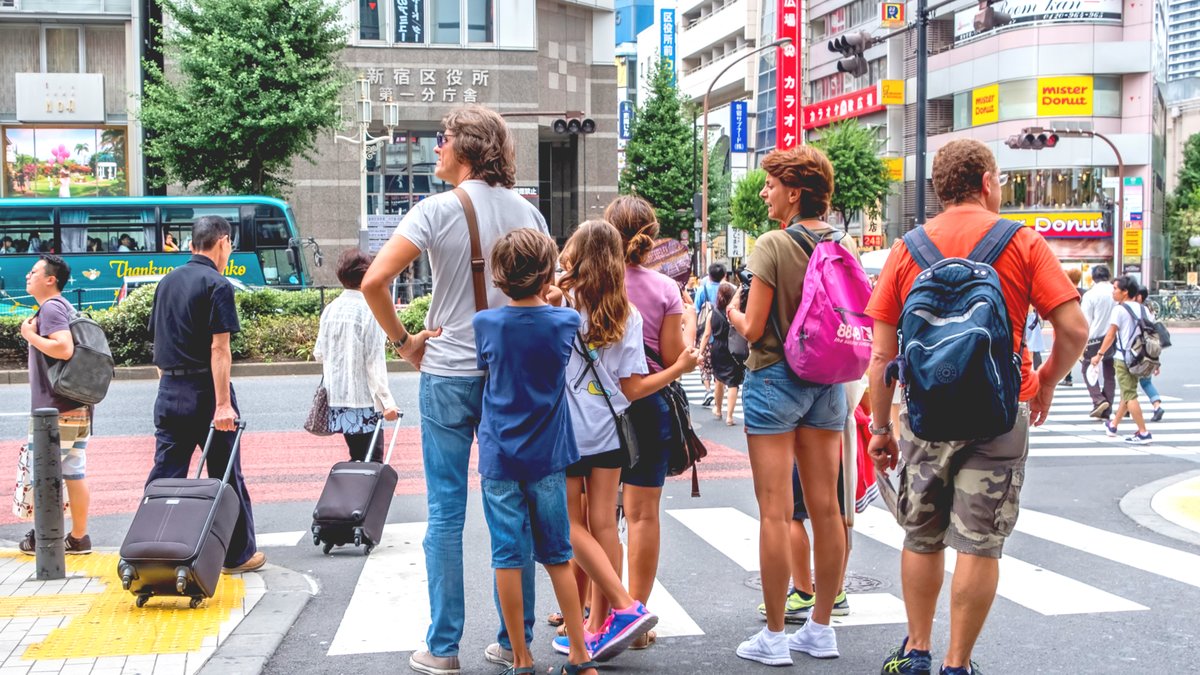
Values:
[(87, 624), (1179, 502)]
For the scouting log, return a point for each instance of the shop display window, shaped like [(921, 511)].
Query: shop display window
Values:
[(1055, 189)]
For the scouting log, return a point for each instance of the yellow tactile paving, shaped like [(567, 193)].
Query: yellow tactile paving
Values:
[(1184, 500), (109, 624)]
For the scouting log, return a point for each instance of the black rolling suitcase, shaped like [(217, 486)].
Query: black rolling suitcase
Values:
[(177, 542), (354, 503)]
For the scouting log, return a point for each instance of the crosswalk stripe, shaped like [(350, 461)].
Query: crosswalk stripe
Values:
[(1054, 408), (728, 530), (1045, 592), (1127, 430), (392, 577), (1149, 557), (1171, 413), (673, 619), (1089, 451), (278, 539)]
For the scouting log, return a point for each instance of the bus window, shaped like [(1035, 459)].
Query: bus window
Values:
[(271, 229), (26, 230), (107, 229), (178, 221)]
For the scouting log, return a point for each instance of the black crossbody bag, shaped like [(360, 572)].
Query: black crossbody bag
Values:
[(626, 433), (685, 448)]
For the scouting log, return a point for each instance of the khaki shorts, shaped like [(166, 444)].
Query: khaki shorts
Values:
[(964, 495), (74, 427), (1126, 381)]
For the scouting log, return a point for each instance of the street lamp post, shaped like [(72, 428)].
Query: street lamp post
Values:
[(704, 170), (367, 143)]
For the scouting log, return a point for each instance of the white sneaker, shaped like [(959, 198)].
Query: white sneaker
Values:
[(766, 649), (815, 640)]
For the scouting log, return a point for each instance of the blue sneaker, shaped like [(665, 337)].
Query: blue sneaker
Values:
[(620, 630), (972, 670), (1140, 439), (903, 661), (562, 643)]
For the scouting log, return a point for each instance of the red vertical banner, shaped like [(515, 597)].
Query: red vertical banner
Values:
[(787, 76)]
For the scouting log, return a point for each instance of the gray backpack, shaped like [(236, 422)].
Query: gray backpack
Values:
[(86, 375), (1144, 351)]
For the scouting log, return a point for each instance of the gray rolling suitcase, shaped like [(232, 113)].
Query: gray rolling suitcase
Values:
[(177, 541), (354, 502)]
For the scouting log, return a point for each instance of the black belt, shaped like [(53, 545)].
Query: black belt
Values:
[(177, 372)]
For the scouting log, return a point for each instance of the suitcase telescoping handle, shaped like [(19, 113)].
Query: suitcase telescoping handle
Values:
[(391, 446), (233, 449)]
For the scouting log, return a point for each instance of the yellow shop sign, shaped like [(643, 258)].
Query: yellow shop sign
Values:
[(1071, 96)]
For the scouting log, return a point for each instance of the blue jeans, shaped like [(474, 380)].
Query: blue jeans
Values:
[(450, 410), (520, 511), (1150, 389)]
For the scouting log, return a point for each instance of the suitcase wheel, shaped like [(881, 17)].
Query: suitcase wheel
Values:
[(327, 547), (181, 579), (316, 530), (368, 549), (196, 600), (358, 536), (142, 599), (127, 575)]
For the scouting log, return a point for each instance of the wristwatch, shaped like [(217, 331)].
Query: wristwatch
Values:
[(399, 344), (885, 431)]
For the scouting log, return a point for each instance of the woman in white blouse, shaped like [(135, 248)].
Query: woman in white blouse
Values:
[(350, 345)]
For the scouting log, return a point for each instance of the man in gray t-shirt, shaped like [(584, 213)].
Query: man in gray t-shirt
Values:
[(475, 153)]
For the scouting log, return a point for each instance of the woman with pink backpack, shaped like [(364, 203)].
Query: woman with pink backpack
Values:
[(789, 419)]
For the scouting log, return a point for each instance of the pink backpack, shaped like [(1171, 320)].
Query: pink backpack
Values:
[(829, 341)]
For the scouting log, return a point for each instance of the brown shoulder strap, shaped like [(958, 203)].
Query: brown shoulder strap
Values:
[(476, 249)]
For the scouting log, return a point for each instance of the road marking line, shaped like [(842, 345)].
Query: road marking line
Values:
[(1045, 592), (1123, 433), (872, 609), (726, 529), (392, 577), (1163, 561), (1094, 451), (279, 538), (1171, 413), (673, 619), (1145, 404)]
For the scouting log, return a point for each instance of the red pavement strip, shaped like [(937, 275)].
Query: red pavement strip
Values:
[(286, 467)]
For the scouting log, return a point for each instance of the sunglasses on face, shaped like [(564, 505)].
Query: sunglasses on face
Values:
[(443, 138)]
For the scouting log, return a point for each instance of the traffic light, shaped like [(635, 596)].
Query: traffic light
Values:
[(988, 18), (1032, 139), (574, 125), (852, 46)]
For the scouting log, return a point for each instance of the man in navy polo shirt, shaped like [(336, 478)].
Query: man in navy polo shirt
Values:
[(191, 324)]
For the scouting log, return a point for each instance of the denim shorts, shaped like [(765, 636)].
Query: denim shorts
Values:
[(519, 510), (775, 401), (652, 420)]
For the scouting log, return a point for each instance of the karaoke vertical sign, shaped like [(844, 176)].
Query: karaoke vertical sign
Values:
[(787, 76)]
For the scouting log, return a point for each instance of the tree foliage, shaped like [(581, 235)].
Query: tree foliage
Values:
[(257, 81), (1183, 211), (658, 156), (860, 176), (748, 209)]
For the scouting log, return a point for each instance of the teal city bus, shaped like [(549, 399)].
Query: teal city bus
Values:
[(107, 239)]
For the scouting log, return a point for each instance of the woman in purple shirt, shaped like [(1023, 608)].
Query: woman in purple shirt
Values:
[(657, 298)]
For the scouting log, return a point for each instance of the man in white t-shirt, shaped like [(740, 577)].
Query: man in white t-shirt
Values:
[(1097, 305), (1122, 328), (475, 153)]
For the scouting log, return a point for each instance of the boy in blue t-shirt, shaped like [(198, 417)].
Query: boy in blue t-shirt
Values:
[(526, 441)]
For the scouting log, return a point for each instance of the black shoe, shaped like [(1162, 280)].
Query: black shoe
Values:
[(973, 669), (910, 662), (28, 544), (1101, 410), (1068, 382), (1158, 414), (80, 546)]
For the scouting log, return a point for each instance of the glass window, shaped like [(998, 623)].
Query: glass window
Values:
[(25, 230), (409, 21), (271, 227), (479, 21), (178, 221), (278, 268), (370, 19), (446, 18), (122, 229), (1054, 189), (962, 110), (1107, 102), (1018, 99), (62, 50)]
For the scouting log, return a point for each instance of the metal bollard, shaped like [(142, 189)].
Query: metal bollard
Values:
[(50, 548)]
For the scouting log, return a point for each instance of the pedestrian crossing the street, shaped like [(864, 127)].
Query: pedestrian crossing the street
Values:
[(726, 538), (1069, 431)]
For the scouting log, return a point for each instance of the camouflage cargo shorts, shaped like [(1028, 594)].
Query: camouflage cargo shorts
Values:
[(964, 495)]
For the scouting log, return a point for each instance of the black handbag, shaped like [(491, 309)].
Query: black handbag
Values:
[(317, 422), (685, 449), (626, 433)]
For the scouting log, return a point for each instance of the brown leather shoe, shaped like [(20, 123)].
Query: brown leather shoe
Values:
[(256, 561)]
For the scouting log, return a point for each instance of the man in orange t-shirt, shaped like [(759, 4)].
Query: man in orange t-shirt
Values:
[(948, 487)]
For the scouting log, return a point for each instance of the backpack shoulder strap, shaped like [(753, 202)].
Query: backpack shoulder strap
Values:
[(993, 243), (922, 249), (800, 238)]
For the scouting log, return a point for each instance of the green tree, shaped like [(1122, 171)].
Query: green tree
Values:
[(658, 156), (1188, 189), (860, 177), (748, 209), (257, 82), (1183, 211)]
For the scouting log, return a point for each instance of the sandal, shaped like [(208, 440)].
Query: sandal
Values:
[(729, 422), (526, 670), (555, 619), (644, 640), (573, 669), (561, 630)]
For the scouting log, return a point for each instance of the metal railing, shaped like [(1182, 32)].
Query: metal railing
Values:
[(1175, 305)]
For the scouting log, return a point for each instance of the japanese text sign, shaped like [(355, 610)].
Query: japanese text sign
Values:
[(788, 113), (737, 126), (666, 42)]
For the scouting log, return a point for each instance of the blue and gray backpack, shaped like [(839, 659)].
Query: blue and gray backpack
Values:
[(961, 377)]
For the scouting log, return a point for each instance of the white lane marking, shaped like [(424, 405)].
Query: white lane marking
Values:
[(1045, 592), (673, 619), (1091, 451), (14, 414), (279, 538), (389, 611), (1171, 414), (726, 529), (1163, 561), (871, 609), (1145, 404), (1124, 432)]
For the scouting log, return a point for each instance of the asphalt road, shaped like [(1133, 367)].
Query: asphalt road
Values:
[(1086, 588)]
